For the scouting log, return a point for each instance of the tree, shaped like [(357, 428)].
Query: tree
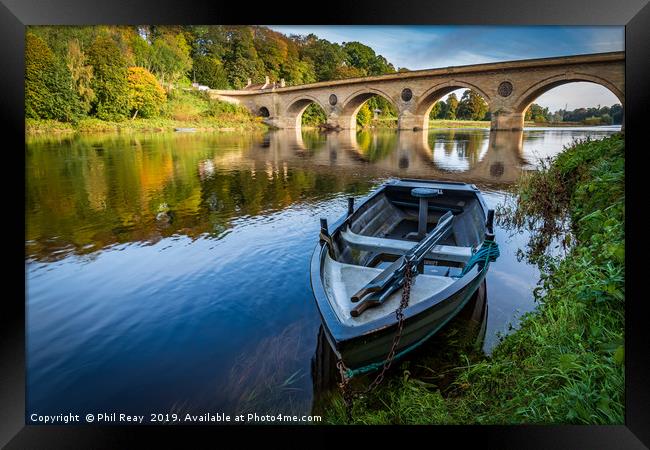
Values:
[(471, 106), (82, 74), (358, 55), (362, 57), (170, 55), (537, 114), (344, 71), (272, 49), (241, 60), (49, 89), (146, 96), (436, 110), (451, 106), (364, 116), (109, 81), (616, 111), (313, 115), (386, 107), (325, 56), (209, 71)]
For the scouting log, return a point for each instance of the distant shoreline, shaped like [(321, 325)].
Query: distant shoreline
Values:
[(35, 127)]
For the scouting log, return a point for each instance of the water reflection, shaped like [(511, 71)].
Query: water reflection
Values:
[(170, 271), (84, 194)]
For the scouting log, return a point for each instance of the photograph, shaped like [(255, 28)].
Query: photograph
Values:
[(224, 220), (328, 225)]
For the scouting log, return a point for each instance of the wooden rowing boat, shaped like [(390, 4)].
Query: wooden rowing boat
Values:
[(442, 230)]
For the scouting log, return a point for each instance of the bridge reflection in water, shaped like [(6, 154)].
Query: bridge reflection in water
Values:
[(460, 155)]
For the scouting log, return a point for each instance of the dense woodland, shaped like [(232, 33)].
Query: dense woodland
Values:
[(113, 73)]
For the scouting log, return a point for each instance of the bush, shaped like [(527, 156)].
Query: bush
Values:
[(146, 96)]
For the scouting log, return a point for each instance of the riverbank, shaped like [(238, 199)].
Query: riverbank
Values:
[(565, 363), (434, 124), (184, 109)]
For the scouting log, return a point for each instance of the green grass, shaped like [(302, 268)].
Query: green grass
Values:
[(184, 109), (565, 364)]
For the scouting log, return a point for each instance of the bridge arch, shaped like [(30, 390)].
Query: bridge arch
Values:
[(298, 105), (432, 95), (353, 103), (545, 85)]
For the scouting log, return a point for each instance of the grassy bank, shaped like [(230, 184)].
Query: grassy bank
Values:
[(565, 363), (459, 124), (183, 109)]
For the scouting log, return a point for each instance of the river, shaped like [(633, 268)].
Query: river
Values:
[(170, 271)]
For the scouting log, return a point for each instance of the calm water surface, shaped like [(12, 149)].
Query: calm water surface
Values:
[(170, 271)]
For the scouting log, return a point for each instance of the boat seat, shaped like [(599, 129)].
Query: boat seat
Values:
[(399, 247)]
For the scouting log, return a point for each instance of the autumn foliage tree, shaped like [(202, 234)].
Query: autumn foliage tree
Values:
[(146, 96)]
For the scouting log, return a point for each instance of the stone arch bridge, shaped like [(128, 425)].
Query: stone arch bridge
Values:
[(507, 87)]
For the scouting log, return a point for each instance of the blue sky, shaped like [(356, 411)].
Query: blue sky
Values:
[(425, 47)]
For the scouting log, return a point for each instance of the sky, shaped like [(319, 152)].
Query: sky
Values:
[(427, 47)]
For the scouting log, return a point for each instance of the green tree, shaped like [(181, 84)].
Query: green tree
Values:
[(471, 106), (241, 60), (364, 58), (209, 71), (538, 114), (616, 111), (313, 116), (109, 81), (364, 116), (272, 49), (325, 56), (436, 110), (170, 55), (82, 74), (49, 89), (380, 103), (146, 96), (451, 106)]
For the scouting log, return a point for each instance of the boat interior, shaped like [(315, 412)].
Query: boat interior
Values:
[(388, 226)]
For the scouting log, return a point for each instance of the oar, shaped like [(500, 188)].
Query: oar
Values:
[(389, 280)]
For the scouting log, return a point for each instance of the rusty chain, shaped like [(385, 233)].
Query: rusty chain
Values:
[(348, 393)]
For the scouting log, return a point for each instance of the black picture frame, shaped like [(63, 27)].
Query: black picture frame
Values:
[(16, 14)]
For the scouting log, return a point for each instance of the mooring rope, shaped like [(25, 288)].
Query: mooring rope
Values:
[(488, 252)]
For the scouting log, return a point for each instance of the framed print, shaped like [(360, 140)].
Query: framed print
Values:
[(359, 221)]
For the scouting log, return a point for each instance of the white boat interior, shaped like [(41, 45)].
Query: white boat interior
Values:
[(388, 226)]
